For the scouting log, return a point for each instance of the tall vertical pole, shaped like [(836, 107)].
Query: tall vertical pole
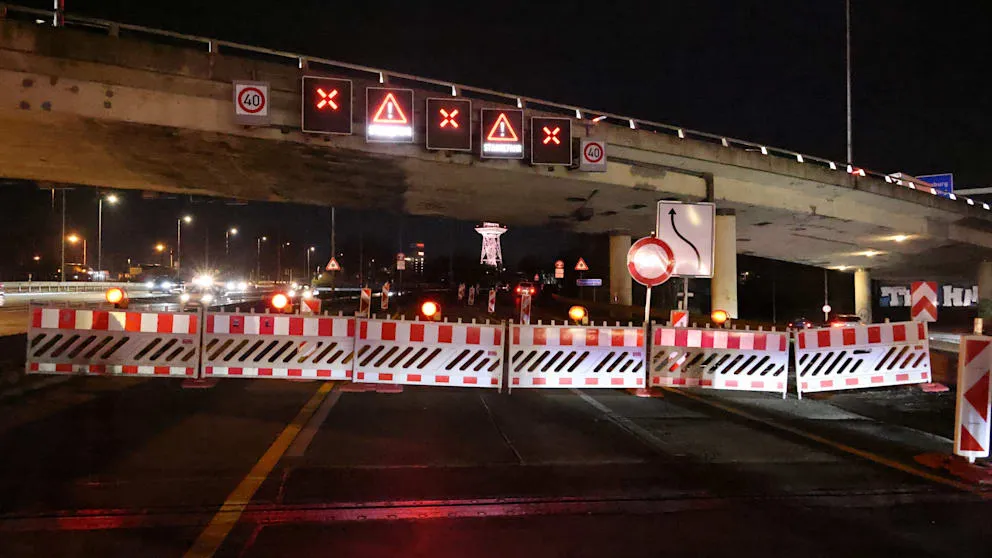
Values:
[(99, 235), (258, 259), (826, 296), (334, 249), (84, 254), (850, 140), (63, 238), (206, 248)]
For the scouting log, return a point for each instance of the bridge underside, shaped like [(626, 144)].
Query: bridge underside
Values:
[(62, 148)]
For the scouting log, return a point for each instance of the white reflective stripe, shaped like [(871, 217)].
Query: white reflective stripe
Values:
[(374, 330), (222, 324), (46, 367), (668, 337), (253, 324), (402, 332), (180, 323), (49, 318), (281, 326), (694, 338), (747, 341), (84, 319), (430, 333), (116, 321), (886, 334), (340, 327), (149, 322), (311, 327), (720, 339)]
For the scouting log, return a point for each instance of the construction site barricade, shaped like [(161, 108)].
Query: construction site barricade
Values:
[(551, 356), (862, 356), (65, 340), (732, 359), (237, 345), (429, 353)]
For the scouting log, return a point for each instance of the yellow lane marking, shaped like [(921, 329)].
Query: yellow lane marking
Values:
[(230, 511), (838, 446)]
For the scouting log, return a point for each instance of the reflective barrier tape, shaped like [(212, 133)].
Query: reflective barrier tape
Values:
[(278, 346), (862, 356), (719, 359), (548, 356), (974, 401), (429, 353), (112, 342)]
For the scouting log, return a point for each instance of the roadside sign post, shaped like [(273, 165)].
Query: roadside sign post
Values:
[(251, 103), (592, 155), (650, 262)]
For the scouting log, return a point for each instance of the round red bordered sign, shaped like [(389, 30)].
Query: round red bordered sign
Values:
[(593, 152), (650, 261), (251, 100)]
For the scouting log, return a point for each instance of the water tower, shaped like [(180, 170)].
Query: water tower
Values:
[(492, 254)]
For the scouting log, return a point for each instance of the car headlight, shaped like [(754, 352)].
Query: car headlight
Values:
[(166, 284), (242, 286), (184, 298), (207, 298), (231, 285), (149, 284)]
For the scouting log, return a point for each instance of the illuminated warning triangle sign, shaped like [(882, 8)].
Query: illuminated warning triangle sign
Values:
[(333, 265), (389, 112), (581, 265), (502, 130)]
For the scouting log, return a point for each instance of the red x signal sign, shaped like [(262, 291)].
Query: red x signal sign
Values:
[(327, 99), (550, 141), (449, 124), (448, 118)]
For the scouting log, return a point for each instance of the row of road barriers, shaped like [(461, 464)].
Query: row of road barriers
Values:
[(208, 344)]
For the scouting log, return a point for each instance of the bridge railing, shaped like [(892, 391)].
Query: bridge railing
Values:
[(303, 61)]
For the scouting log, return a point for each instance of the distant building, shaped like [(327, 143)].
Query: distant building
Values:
[(415, 259)]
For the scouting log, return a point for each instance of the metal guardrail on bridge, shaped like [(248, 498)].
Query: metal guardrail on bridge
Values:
[(303, 61), (65, 287)]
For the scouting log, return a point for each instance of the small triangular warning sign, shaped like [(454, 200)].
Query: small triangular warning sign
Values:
[(581, 265), (978, 396), (333, 265), (968, 442), (389, 112), (502, 130)]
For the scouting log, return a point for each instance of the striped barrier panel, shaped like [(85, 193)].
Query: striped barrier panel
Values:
[(429, 353), (551, 356), (862, 356), (112, 342), (240, 345), (974, 400), (720, 359)]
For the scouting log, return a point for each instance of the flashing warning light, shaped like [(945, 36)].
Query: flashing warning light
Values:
[(577, 313), (327, 99), (502, 130), (429, 309), (719, 316), (551, 135), (115, 295), (393, 112), (448, 118), (279, 301)]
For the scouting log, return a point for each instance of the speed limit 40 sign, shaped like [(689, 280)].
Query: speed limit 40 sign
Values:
[(592, 155), (251, 103)]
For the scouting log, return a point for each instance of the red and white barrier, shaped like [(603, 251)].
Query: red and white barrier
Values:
[(550, 356), (974, 402), (492, 300), (862, 356), (720, 359), (364, 303), (923, 298), (278, 346), (525, 308), (112, 342), (678, 318), (429, 353)]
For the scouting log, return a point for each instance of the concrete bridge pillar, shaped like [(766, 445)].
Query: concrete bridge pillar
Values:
[(723, 289), (985, 291), (862, 294), (621, 285)]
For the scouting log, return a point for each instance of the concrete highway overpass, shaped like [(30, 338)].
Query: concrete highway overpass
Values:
[(109, 105)]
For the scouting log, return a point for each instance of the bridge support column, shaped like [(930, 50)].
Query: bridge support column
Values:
[(621, 285), (723, 289), (862, 294), (985, 291)]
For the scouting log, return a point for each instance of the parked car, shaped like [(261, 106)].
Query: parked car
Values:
[(841, 320), (801, 323)]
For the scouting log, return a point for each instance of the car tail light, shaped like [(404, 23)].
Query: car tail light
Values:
[(533, 290), (519, 290), (836, 324)]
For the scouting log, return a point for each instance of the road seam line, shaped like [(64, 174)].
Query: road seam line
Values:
[(305, 437), (230, 511)]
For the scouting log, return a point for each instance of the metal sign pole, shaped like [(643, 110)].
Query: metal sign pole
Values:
[(647, 306)]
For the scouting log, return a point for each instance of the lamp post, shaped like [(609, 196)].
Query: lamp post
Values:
[(309, 271), (160, 248), (233, 231), (258, 256), (75, 239), (179, 238), (111, 199)]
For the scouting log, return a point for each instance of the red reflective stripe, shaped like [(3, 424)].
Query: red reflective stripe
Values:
[(164, 324), (705, 383), (294, 372), (267, 325), (899, 332), (235, 324), (902, 377), (851, 381), (473, 335), (444, 333), (364, 330), (877, 379), (802, 340), (386, 377), (565, 336), (540, 336), (616, 381), (757, 384), (388, 331), (351, 328), (592, 337), (784, 344), (733, 340), (36, 317), (193, 324), (101, 320), (921, 334), (210, 323), (657, 337), (849, 336), (263, 371), (539, 381), (325, 327), (760, 341), (296, 326), (640, 338), (595, 381), (235, 371), (564, 381), (823, 338), (417, 333), (414, 378), (324, 373), (63, 368), (731, 383), (516, 336), (98, 369), (616, 338), (470, 380), (162, 370), (706, 340), (129, 369), (443, 379), (67, 319), (132, 321), (498, 336), (827, 383), (681, 337), (874, 334)]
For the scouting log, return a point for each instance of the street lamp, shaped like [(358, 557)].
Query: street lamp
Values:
[(233, 231), (258, 256), (310, 250), (179, 237), (75, 239), (112, 200)]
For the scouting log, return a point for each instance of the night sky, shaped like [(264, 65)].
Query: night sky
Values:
[(770, 71)]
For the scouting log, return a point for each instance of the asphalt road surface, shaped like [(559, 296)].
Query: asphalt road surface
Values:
[(142, 467)]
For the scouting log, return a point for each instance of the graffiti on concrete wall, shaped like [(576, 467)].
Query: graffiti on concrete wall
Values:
[(947, 295)]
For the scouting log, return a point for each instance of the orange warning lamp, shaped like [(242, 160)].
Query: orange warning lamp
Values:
[(117, 297), (577, 313), (719, 316), (430, 310), (279, 301)]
